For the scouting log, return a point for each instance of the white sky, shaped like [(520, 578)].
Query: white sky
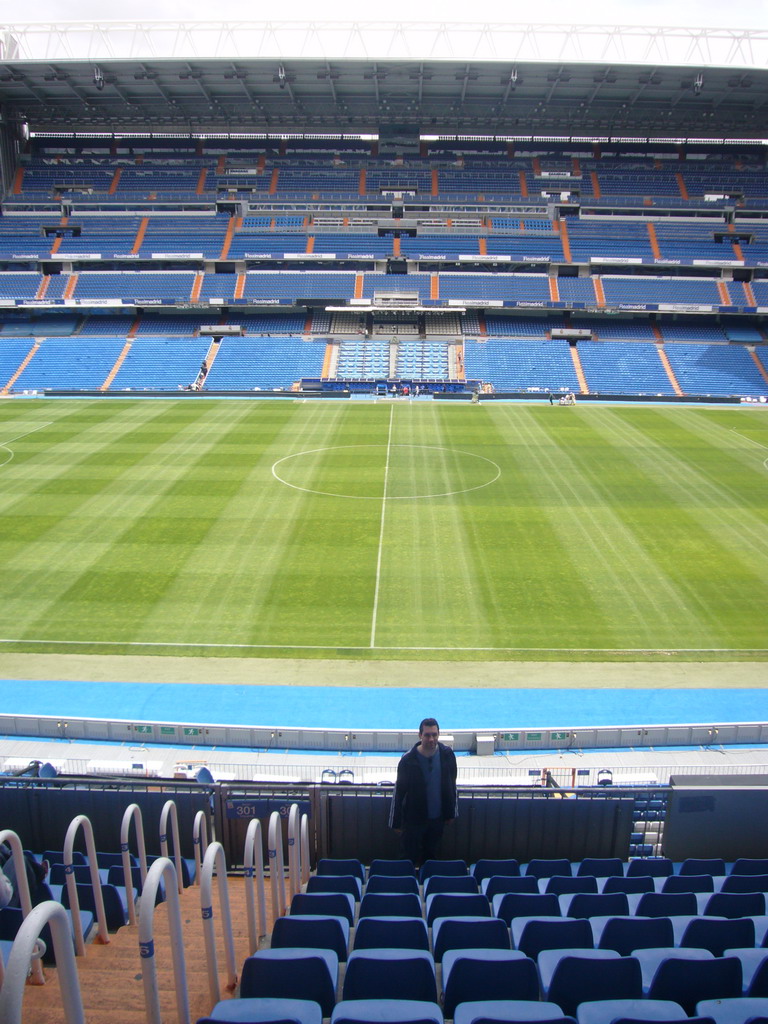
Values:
[(704, 13)]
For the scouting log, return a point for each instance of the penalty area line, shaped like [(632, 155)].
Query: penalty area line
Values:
[(384, 647)]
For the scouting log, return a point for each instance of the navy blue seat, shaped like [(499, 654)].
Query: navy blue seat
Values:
[(468, 933), (281, 973), (349, 884), (444, 904), (339, 866), (390, 904), (450, 883), (543, 868), (471, 974), (499, 884), (324, 904), (488, 868), (686, 983), (391, 933), (582, 977), (750, 866), (601, 867), (703, 866), (688, 883), (735, 904), (386, 1011), (382, 866), (311, 932), (667, 904), (745, 883), (377, 973), (716, 935), (115, 907), (392, 883), (602, 904), (630, 886), (562, 885), (626, 934), (536, 934), (442, 867), (656, 867)]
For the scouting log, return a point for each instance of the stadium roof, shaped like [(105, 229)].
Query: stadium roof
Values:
[(518, 80)]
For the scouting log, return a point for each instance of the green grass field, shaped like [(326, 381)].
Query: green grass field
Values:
[(421, 530)]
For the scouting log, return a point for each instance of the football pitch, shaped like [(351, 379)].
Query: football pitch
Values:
[(402, 530)]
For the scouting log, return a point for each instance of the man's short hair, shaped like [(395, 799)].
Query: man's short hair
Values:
[(428, 721)]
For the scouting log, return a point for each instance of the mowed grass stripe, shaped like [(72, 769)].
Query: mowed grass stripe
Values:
[(96, 583), (643, 606), (712, 516)]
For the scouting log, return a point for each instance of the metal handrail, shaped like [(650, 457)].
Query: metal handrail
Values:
[(132, 814), (294, 850), (82, 821), (254, 884), (169, 809), (215, 859), (22, 887), (163, 869), (276, 865), (23, 950), (200, 842), (305, 861)]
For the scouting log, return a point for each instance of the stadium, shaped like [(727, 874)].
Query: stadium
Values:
[(394, 371)]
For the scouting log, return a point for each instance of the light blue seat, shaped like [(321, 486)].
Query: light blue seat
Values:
[(603, 1011), (754, 970), (311, 931), (391, 933), (570, 977), (324, 904), (376, 973), (280, 973), (682, 979), (468, 933), (532, 935), (261, 1011), (626, 934), (652, 957), (386, 1011), (718, 934), (733, 1011), (495, 973), (510, 1011)]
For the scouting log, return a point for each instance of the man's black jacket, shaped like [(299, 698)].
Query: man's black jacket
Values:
[(409, 802)]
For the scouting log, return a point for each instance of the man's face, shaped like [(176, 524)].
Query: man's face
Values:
[(429, 736)]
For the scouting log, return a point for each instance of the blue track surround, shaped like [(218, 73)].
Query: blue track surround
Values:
[(343, 707)]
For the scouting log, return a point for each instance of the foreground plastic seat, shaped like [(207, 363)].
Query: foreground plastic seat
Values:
[(386, 1011), (349, 884), (652, 957), (487, 868), (280, 973), (543, 868), (392, 884), (391, 933), (341, 866), (754, 971), (685, 982), (377, 973), (688, 883), (667, 904), (605, 1011), (703, 866), (601, 867), (386, 904), (531, 935), (656, 867), (510, 905), (745, 883), (445, 904), (509, 1011), (382, 866), (735, 904), (750, 866), (626, 934), (734, 1011), (324, 904), (312, 932), (115, 904), (264, 1011), (468, 933), (591, 974), (442, 867), (497, 885), (450, 884), (718, 934), (587, 904), (492, 973)]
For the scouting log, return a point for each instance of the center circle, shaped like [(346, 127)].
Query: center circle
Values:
[(372, 472)]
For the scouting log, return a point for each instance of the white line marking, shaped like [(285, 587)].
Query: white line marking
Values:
[(4, 444), (392, 497), (381, 529), (387, 647), (752, 441)]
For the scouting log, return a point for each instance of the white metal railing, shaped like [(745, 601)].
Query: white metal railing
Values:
[(215, 859), (305, 860), (24, 950), (25, 899), (132, 814), (276, 865), (200, 842), (78, 822), (294, 850), (162, 870), (253, 862), (169, 811)]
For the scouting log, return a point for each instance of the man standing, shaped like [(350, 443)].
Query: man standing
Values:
[(425, 794)]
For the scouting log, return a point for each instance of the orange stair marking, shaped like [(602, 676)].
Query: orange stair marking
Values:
[(140, 234), (759, 365), (653, 240), (576, 360), (261, 163), (18, 181), (566, 241), (737, 251), (273, 181), (115, 181), (522, 225), (725, 298), (308, 323), (395, 246), (482, 246), (523, 184), (750, 295), (222, 162), (483, 325), (536, 163), (326, 370), (233, 223), (239, 287), (201, 181), (656, 331), (197, 285), (361, 181), (118, 363), (597, 284), (461, 372), (310, 243), (22, 367), (134, 328), (576, 166), (668, 370), (434, 286), (42, 288), (69, 291), (435, 182), (647, 201), (595, 184), (358, 286), (554, 291), (682, 186)]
